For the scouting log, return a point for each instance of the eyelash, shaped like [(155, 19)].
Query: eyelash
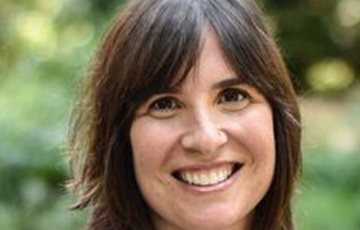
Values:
[(240, 92), (173, 102), (168, 104)]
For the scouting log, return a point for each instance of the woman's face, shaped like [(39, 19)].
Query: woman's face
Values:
[(204, 152)]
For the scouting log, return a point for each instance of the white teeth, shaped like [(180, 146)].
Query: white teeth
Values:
[(209, 177)]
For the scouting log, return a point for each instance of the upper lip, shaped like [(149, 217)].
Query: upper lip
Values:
[(204, 167)]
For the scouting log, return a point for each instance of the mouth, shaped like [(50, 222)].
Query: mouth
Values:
[(207, 177)]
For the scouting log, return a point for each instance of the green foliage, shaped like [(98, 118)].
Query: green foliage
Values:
[(314, 31), (330, 193), (45, 46)]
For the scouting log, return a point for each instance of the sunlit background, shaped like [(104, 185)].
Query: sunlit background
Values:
[(45, 46)]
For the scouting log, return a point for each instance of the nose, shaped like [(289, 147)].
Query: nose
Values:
[(206, 136)]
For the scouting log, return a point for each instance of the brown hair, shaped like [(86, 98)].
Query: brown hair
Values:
[(149, 44)]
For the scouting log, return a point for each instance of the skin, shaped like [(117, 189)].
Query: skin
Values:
[(209, 121)]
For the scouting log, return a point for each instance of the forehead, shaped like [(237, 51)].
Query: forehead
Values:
[(211, 63), (212, 60)]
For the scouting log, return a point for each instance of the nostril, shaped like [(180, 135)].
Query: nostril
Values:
[(204, 140), (222, 136)]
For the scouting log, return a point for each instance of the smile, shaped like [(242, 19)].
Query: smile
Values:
[(207, 177)]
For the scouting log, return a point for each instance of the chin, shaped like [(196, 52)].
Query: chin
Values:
[(212, 220)]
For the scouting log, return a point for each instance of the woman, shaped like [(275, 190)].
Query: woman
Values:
[(188, 121)]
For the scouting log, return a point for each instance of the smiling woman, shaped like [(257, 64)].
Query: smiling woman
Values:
[(204, 153), (188, 121)]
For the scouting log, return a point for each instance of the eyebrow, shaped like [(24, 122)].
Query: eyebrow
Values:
[(219, 85), (169, 90), (228, 82)]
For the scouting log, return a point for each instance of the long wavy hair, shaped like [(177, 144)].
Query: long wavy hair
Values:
[(149, 45)]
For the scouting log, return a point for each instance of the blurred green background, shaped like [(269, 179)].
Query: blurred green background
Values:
[(45, 47)]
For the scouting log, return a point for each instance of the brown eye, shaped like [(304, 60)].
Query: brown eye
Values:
[(164, 107), (232, 95), (233, 99)]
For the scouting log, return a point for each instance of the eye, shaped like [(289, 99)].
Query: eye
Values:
[(164, 107), (233, 99)]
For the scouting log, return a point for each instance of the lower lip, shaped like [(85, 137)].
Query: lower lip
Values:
[(211, 188)]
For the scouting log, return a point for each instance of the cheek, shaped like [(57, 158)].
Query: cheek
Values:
[(255, 137), (151, 143), (255, 131)]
